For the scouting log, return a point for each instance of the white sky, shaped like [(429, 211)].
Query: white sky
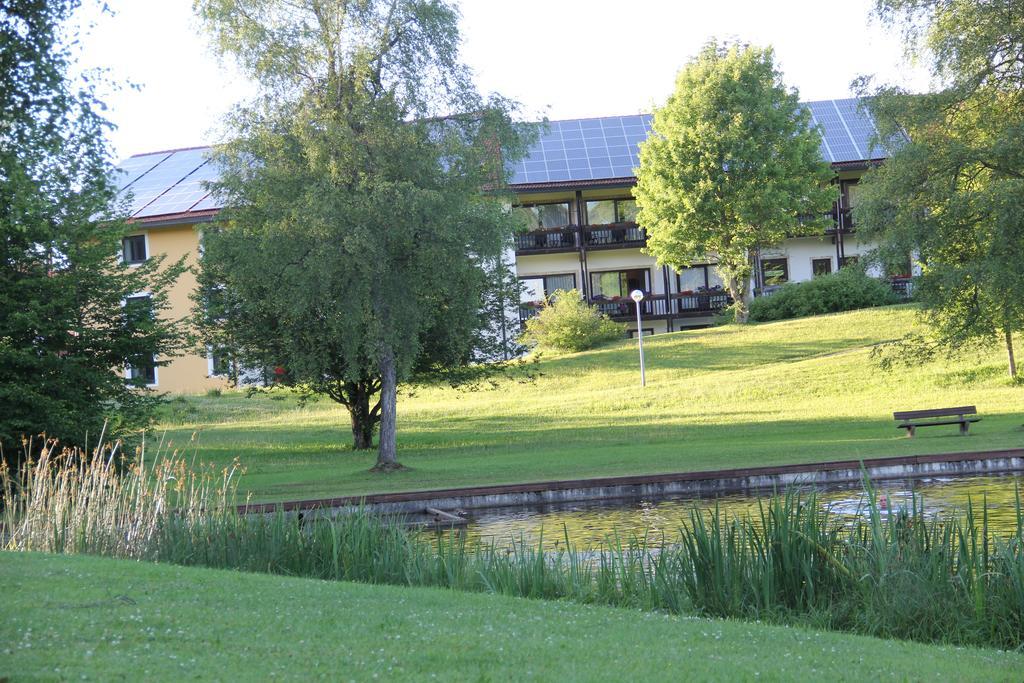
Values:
[(560, 58)]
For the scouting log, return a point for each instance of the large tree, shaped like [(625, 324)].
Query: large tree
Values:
[(733, 166), (952, 192), (359, 245), (69, 318)]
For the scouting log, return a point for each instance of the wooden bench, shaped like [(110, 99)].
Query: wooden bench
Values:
[(912, 419)]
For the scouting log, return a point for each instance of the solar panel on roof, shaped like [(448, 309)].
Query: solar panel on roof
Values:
[(584, 149), (164, 176), (183, 195), (211, 201), (569, 150), (132, 168)]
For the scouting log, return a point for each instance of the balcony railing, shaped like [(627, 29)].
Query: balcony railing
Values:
[(659, 305), (653, 305), (551, 239), (840, 218), (568, 238), (528, 310), (614, 235), (903, 286), (624, 307), (710, 301)]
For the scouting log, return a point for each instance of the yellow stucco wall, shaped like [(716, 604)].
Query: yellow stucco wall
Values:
[(188, 373)]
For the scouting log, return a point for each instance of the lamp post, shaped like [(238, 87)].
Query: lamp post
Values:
[(637, 296)]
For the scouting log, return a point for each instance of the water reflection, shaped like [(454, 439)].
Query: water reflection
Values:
[(588, 524)]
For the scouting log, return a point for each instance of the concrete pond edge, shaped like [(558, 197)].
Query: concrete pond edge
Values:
[(697, 484)]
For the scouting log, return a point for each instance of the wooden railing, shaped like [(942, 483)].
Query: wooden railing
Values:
[(615, 234), (527, 311), (659, 305), (549, 239), (903, 286), (568, 237), (653, 305), (702, 302), (624, 307)]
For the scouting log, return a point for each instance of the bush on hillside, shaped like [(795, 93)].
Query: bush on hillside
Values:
[(849, 289), (567, 323)]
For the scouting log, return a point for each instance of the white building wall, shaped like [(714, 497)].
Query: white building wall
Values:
[(800, 252)]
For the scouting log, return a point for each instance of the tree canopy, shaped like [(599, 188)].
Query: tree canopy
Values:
[(733, 166), (950, 193), (68, 321), (359, 246)]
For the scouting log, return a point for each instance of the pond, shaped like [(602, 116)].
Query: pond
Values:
[(589, 523)]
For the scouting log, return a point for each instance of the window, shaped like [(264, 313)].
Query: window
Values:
[(553, 283), (535, 289), (134, 249), (138, 309), (847, 261), (144, 372), (692, 279), (619, 283), (821, 266), (220, 362), (774, 271), (540, 216), (698, 278), (625, 211), (601, 212), (715, 280), (851, 195), (605, 211)]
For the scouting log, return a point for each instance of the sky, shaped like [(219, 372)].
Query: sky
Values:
[(559, 58)]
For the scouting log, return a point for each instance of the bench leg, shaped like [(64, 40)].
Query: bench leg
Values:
[(910, 431), (963, 428)]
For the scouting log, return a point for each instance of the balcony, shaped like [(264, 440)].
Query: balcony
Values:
[(528, 310), (697, 304), (843, 221), (662, 306), (547, 241), (701, 303), (614, 235), (567, 238), (903, 286)]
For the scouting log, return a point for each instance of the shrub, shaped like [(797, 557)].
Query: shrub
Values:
[(849, 289), (567, 323)]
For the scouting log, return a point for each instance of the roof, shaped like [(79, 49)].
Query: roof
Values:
[(583, 150), (168, 186)]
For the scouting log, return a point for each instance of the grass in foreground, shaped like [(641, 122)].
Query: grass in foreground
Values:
[(74, 617), (797, 391), (901, 575)]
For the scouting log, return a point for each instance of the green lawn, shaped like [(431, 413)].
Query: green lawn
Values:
[(85, 618), (789, 392)]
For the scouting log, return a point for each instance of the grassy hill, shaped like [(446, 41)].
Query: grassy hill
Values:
[(788, 392), (77, 617)]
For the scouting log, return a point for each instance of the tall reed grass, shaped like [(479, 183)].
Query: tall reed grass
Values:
[(899, 575)]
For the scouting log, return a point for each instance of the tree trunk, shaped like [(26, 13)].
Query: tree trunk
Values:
[(1009, 352), (739, 297), (359, 412), (387, 451)]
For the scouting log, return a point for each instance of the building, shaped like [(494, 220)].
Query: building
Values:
[(574, 187)]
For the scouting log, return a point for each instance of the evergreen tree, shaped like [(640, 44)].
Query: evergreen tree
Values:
[(66, 333)]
